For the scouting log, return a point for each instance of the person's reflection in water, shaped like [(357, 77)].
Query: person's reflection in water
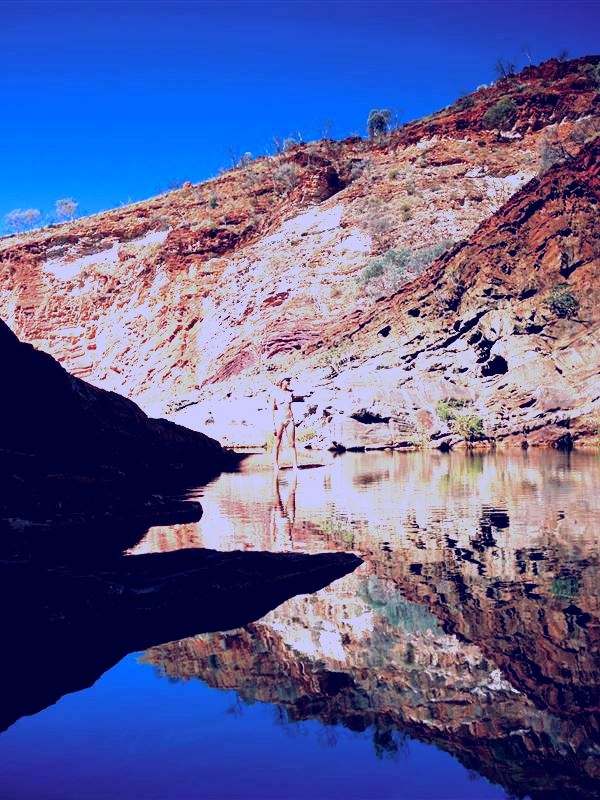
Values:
[(283, 517)]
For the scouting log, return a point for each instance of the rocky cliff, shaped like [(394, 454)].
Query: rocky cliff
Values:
[(191, 302), (484, 327), (64, 439)]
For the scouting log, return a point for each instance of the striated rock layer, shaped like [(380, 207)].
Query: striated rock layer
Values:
[(478, 326), (190, 303)]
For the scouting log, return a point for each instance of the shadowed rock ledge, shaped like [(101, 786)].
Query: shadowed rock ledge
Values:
[(65, 443), (66, 620)]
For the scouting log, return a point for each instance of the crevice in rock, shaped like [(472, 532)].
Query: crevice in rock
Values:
[(466, 326), (483, 349), (368, 417), (533, 328), (527, 403), (495, 366), (530, 291)]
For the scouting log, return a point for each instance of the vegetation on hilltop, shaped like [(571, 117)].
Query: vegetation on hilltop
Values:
[(508, 102)]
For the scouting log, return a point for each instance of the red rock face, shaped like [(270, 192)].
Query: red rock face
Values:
[(473, 622), (193, 300), (486, 328), (541, 95)]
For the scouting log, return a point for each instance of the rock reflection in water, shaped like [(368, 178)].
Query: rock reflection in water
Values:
[(473, 623)]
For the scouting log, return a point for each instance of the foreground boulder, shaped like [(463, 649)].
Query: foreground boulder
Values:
[(58, 431)]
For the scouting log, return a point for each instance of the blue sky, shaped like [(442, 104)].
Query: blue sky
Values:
[(111, 101)]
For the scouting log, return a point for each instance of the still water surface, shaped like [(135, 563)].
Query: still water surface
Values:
[(461, 660)]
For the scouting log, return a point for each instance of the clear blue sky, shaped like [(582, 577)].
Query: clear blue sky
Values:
[(107, 101)]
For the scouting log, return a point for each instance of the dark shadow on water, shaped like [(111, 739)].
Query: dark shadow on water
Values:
[(301, 466), (73, 608)]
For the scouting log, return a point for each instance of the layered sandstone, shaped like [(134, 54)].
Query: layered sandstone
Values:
[(190, 303)]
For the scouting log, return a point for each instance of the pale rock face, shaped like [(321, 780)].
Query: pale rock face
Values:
[(208, 293), (66, 270)]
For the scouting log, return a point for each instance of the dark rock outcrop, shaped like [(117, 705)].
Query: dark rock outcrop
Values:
[(62, 437)]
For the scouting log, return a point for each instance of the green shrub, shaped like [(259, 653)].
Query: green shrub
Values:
[(552, 151), (564, 587), (504, 68), (444, 412), (379, 224), (66, 208), (378, 122), (305, 435), (285, 178), (463, 103), (387, 602), (469, 426), (593, 71), (335, 356), (562, 301), (446, 409), (387, 272), (501, 116), (19, 219), (213, 201)]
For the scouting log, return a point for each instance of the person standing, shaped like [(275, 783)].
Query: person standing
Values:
[(283, 420)]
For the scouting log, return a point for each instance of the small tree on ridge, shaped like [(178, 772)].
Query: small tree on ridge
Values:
[(22, 219), (66, 208), (378, 122)]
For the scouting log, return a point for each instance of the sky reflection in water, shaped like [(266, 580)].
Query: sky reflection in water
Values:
[(471, 628)]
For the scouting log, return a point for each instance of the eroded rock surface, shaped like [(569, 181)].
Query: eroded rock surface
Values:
[(192, 302)]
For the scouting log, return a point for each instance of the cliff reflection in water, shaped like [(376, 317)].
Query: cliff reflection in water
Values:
[(473, 624)]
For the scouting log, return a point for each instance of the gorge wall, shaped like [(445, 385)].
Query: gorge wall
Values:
[(193, 302)]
